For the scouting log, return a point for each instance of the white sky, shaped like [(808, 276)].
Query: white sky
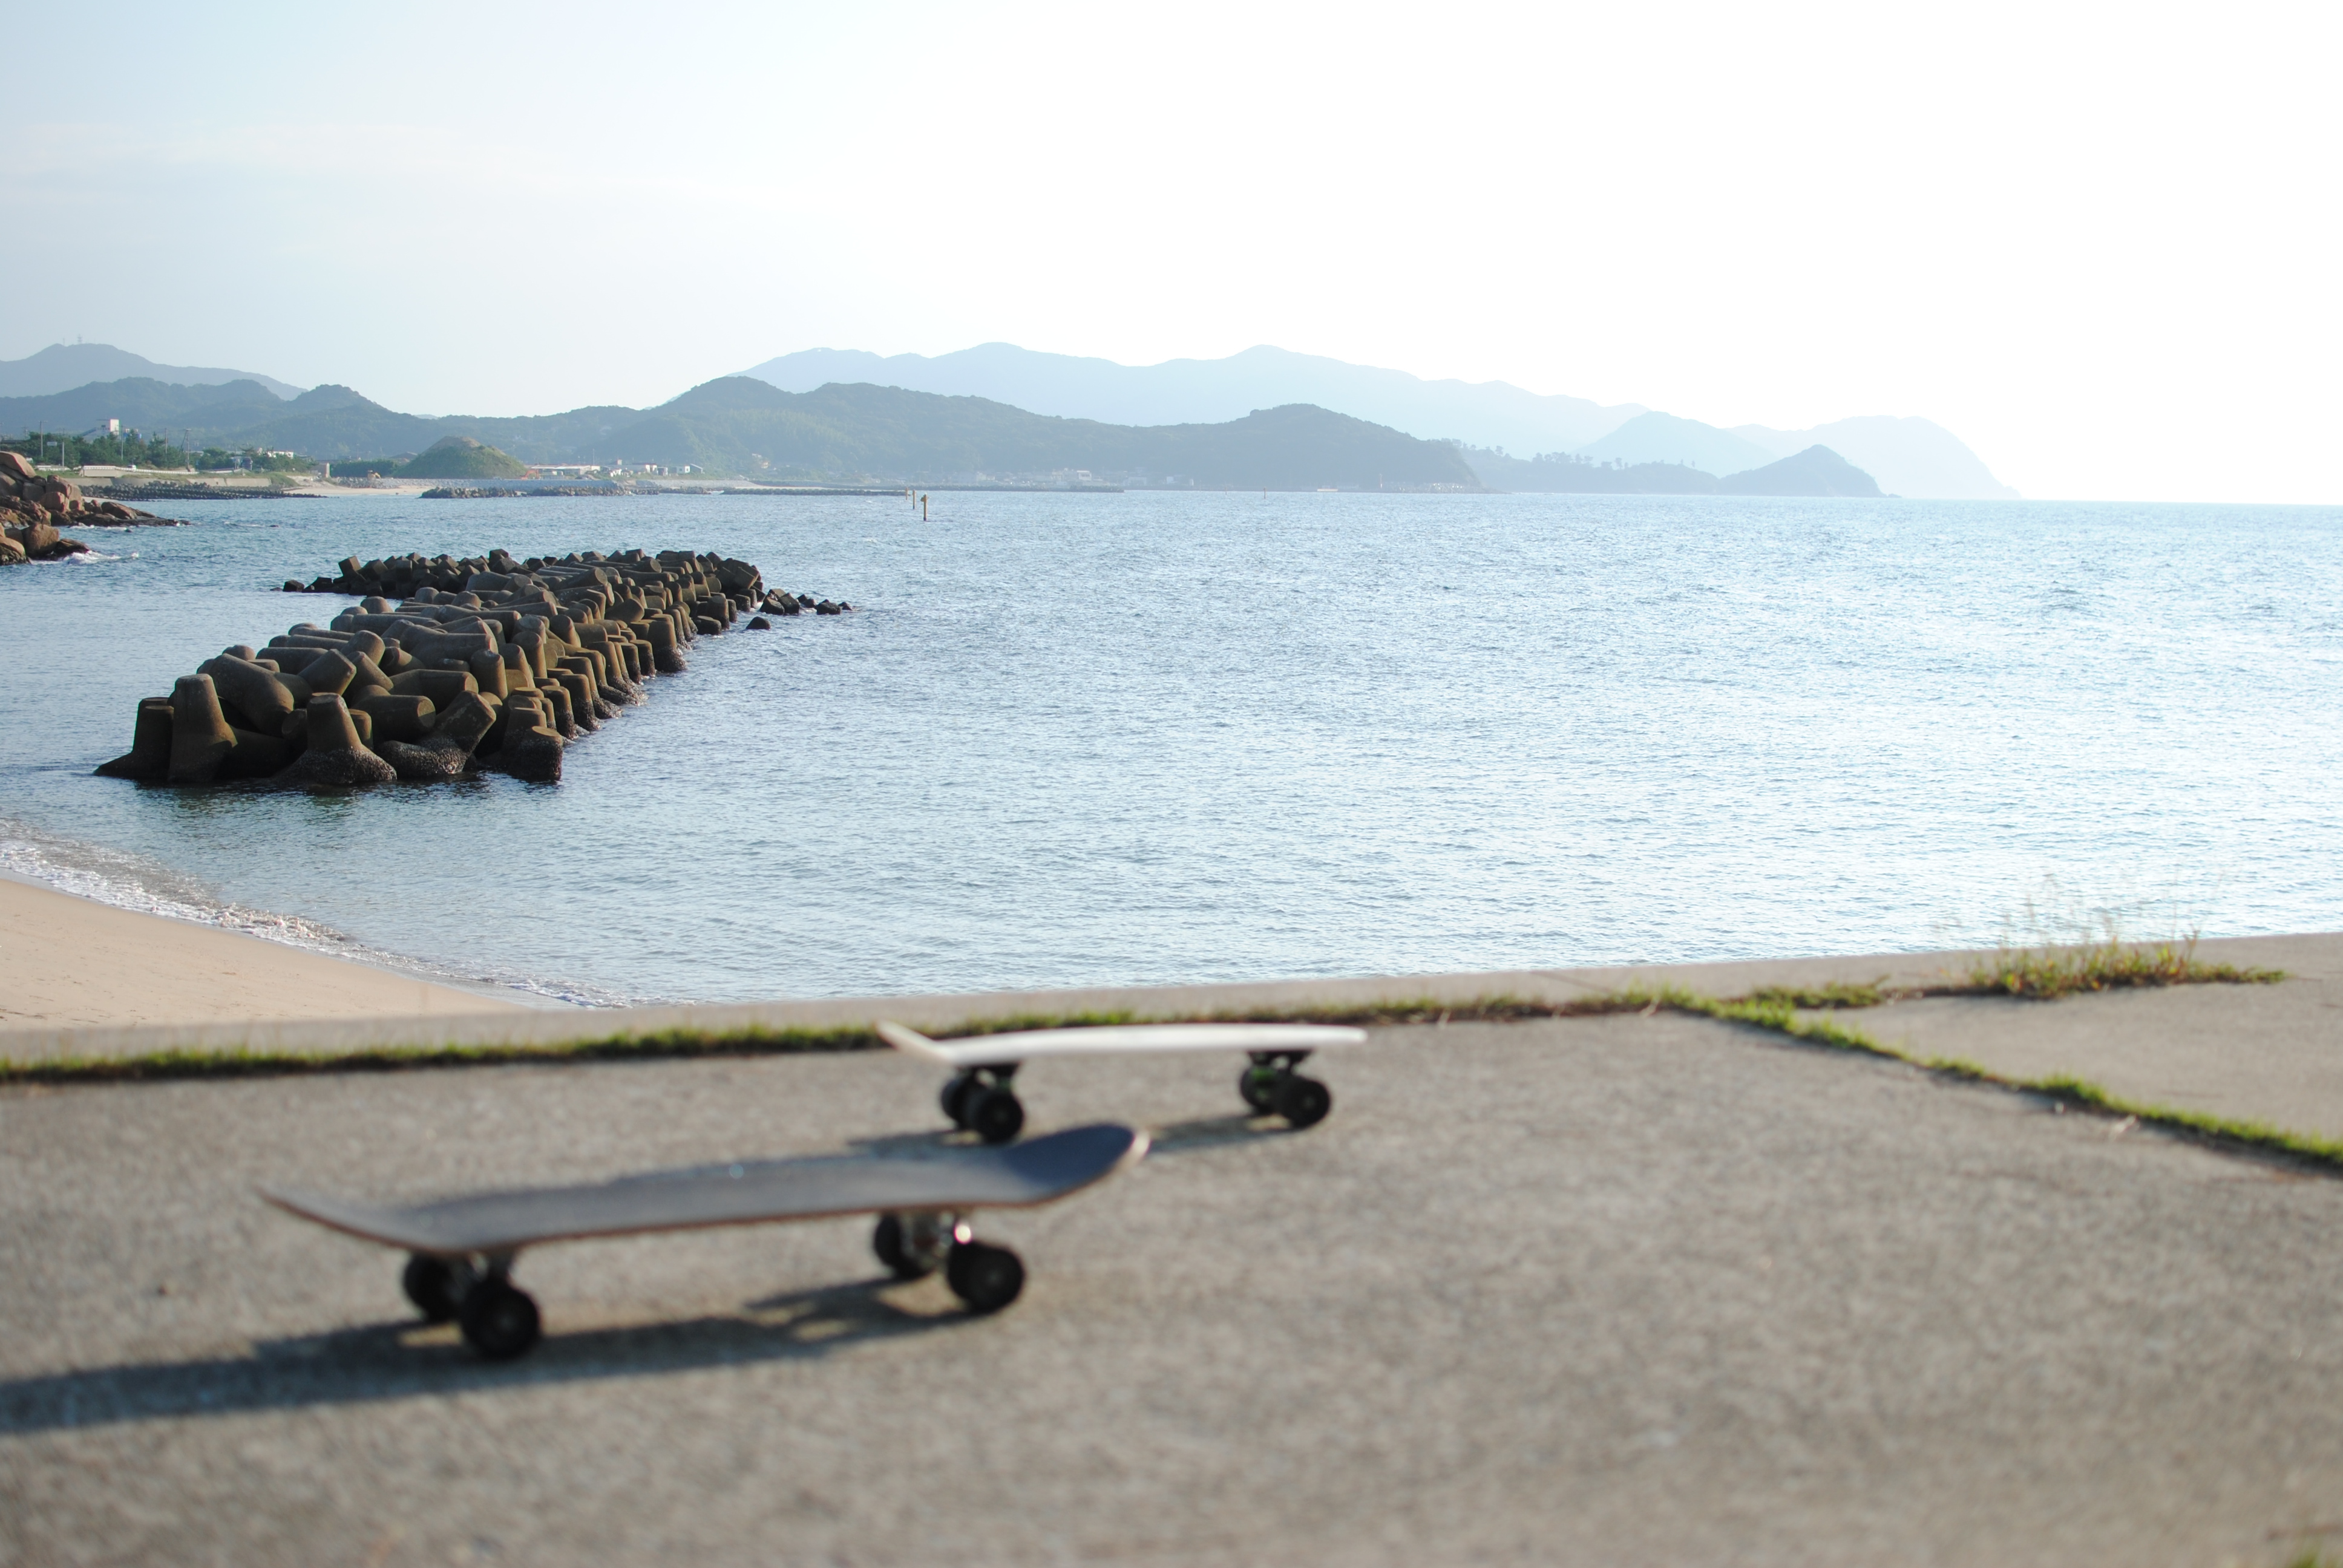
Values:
[(2098, 242)]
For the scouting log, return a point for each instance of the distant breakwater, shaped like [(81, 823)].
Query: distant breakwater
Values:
[(488, 662)]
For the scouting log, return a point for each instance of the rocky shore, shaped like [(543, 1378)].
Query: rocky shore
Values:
[(487, 662), (34, 507)]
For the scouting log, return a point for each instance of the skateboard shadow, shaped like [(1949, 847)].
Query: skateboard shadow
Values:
[(1170, 1137), (1212, 1133), (379, 1362)]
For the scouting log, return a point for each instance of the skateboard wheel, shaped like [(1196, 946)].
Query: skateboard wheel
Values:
[(995, 1115), (987, 1278), (1257, 1086), (498, 1321), (1303, 1101), (887, 1240), (955, 1098), (432, 1285)]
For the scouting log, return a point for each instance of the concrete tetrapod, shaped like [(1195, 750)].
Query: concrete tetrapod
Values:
[(200, 736), (543, 649), (335, 755), (448, 751), (149, 755)]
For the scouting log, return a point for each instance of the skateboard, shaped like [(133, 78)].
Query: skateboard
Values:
[(980, 1098), (461, 1249)]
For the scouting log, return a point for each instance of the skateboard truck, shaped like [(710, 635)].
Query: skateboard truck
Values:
[(497, 1317), (1273, 1088), (981, 1099), (913, 1246)]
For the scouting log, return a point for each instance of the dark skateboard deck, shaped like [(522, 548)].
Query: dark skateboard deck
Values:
[(928, 1181)]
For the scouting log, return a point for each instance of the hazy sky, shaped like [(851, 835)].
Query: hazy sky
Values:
[(2098, 242)]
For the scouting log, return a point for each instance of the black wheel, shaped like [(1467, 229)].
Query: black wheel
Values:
[(995, 1115), (1303, 1101), (987, 1278), (434, 1286), (887, 1240), (955, 1098), (1257, 1085), (498, 1321)]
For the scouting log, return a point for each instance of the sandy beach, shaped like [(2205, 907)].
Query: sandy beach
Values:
[(74, 963)]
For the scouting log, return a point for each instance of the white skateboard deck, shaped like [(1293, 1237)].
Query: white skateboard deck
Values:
[(1025, 1045)]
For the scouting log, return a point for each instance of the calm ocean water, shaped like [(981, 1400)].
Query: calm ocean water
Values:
[(1073, 740)]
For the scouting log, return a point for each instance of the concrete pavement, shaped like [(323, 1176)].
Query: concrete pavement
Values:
[(1618, 1290)]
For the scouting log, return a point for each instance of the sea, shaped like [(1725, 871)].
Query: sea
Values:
[(1131, 738)]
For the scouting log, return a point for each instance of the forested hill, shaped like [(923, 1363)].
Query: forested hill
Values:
[(1817, 471), (739, 426)]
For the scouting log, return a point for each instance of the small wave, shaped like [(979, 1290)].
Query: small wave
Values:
[(146, 886)]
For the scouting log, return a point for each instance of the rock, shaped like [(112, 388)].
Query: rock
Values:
[(200, 738), (336, 756), (149, 755)]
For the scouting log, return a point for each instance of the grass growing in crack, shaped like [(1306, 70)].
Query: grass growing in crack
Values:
[(1779, 1016), (2046, 973), (1833, 994), (666, 1046)]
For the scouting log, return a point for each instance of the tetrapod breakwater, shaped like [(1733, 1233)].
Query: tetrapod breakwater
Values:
[(484, 662)]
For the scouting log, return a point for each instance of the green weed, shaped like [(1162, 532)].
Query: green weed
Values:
[(2046, 973), (1832, 994)]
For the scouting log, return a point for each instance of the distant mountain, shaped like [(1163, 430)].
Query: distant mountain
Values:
[(741, 426), (1909, 457), (1817, 471), (156, 407), (62, 366), (1213, 391), (1664, 439)]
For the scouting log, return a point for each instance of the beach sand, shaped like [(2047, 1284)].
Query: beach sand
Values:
[(72, 963)]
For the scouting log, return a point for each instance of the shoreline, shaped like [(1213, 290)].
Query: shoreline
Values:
[(104, 985), (78, 964)]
